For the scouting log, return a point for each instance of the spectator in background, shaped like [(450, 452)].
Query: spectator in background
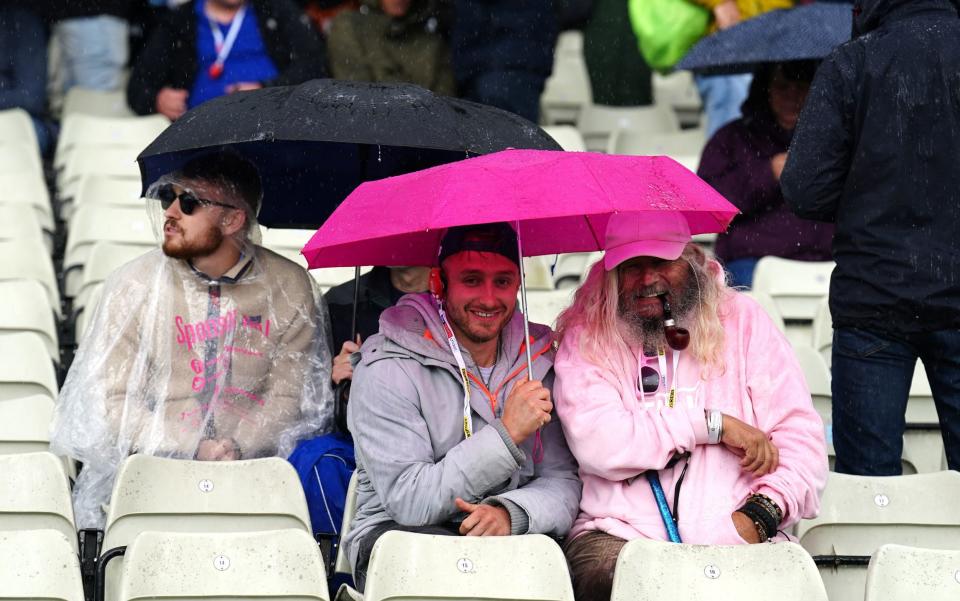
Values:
[(23, 67), (392, 41), (323, 12), (619, 76), (877, 151), (743, 162), (261, 43), (724, 94), (503, 52), (93, 41)]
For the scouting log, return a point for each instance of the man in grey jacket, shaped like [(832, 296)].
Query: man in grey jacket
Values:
[(451, 437)]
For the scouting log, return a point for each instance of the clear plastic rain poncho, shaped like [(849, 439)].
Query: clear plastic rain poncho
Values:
[(177, 364)]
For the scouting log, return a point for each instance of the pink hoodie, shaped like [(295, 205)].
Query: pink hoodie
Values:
[(615, 437)]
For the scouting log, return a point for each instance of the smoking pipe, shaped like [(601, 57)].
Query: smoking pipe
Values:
[(677, 338)]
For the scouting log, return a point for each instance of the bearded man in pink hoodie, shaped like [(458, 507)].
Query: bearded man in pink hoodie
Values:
[(723, 415)]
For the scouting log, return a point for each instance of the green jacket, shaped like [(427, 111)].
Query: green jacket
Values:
[(368, 45)]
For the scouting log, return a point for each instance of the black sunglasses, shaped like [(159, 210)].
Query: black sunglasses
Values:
[(649, 379), (188, 202)]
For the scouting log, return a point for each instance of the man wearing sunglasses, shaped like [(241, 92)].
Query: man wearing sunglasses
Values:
[(663, 368), (210, 348)]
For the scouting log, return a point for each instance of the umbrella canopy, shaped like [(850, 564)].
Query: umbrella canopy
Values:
[(562, 201), (806, 32), (314, 143)]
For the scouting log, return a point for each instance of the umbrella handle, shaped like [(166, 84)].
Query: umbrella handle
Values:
[(672, 532)]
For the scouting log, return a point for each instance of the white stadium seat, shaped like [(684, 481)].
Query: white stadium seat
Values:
[(39, 564), (823, 330), (650, 570), (35, 495), (16, 126), (96, 102), (28, 260), (342, 564), (797, 287), (27, 309), (19, 221), (25, 367), (899, 573), (97, 223), (261, 566), (28, 188), (404, 565), (18, 157), (682, 146), (567, 90), (153, 493), (544, 306), (104, 259), (858, 514), (678, 91), (25, 424), (328, 277), (567, 136), (119, 163), (86, 133), (536, 271), (572, 268), (104, 190), (598, 122)]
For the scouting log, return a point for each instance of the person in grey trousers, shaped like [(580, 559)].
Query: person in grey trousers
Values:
[(437, 453)]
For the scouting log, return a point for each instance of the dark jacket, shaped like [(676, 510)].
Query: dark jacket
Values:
[(376, 294), (503, 35), (170, 56), (368, 45), (56, 10), (23, 61), (736, 161), (877, 151)]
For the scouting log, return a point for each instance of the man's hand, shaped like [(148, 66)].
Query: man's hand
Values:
[(484, 520), (342, 368), (527, 409), (243, 86), (746, 528), (218, 449), (172, 103), (776, 164), (759, 454), (726, 14)]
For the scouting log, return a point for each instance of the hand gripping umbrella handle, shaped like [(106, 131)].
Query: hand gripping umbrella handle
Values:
[(672, 532)]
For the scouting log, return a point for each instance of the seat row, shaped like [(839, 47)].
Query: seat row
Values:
[(160, 509)]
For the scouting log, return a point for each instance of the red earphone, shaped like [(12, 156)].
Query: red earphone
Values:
[(435, 283)]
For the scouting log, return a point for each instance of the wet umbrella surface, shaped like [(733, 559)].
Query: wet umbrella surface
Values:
[(316, 142)]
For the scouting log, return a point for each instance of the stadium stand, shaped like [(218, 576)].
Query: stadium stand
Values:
[(405, 565), (28, 188), (649, 570), (899, 573), (683, 146), (118, 163), (342, 563), (96, 103), (797, 288), (20, 221), (567, 90), (597, 123), (858, 514), (17, 127), (276, 564), (567, 136), (28, 310), (678, 91), (35, 496), (39, 564), (81, 132), (544, 306)]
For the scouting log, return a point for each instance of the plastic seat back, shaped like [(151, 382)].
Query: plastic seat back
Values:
[(650, 570), (25, 367), (528, 567), (273, 565), (35, 495), (342, 564), (39, 564), (899, 573)]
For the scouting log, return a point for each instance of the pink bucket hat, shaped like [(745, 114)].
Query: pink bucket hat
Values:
[(661, 234)]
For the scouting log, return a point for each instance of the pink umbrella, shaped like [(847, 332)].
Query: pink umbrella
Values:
[(560, 201)]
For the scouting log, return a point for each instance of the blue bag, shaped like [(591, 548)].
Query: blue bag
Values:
[(325, 465)]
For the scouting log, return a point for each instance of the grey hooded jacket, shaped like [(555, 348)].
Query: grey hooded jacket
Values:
[(406, 416)]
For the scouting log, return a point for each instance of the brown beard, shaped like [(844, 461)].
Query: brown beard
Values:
[(179, 247), (649, 331), (458, 317)]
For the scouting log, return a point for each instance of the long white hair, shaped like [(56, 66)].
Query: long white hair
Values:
[(602, 341)]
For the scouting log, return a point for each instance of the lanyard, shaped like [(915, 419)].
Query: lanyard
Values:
[(461, 365), (223, 45), (667, 379)]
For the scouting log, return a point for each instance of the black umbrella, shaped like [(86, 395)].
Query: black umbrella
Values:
[(802, 33), (314, 143)]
